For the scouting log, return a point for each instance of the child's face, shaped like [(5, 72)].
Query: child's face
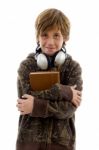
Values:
[(51, 41)]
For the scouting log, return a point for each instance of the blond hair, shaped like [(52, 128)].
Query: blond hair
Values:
[(52, 18)]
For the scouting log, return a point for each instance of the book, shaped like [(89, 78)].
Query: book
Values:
[(43, 80)]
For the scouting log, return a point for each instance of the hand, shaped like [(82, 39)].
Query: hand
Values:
[(25, 105), (76, 100)]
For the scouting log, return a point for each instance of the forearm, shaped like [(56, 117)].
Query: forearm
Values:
[(52, 94), (57, 109), (57, 92)]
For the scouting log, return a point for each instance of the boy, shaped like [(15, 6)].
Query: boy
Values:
[(47, 117)]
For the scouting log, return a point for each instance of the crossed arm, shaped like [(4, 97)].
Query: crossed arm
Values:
[(60, 101)]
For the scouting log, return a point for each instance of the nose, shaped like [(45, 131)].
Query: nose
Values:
[(50, 41)]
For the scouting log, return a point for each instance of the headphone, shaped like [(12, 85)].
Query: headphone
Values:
[(45, 62)]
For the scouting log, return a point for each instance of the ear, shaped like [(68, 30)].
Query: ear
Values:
[(67, 38)]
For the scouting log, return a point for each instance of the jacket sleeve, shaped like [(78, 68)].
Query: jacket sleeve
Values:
[(58, 109), (57, 92)]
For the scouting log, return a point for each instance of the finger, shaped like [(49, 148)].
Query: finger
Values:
[(18, 105), (20, 101), (78, 102), (74, 86), (79, 93), (19, 108), (79, 97), (22, 112), (75, 102), (25, 96)]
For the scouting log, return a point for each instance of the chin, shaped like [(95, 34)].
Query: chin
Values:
[(50, 54)]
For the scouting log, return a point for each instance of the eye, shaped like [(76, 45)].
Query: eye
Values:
[(44, 34), (56, 35)]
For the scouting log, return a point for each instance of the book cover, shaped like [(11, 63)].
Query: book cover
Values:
[(43, 80)]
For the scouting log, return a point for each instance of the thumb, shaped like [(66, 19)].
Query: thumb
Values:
[(25, 96), (74, 86)]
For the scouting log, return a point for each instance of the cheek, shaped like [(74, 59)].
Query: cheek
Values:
[(42, 45), (59, 45), (42, 42)]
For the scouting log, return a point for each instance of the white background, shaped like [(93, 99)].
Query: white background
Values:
[(17, 40)]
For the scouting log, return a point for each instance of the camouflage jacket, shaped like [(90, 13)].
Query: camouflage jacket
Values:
[(52, 119)]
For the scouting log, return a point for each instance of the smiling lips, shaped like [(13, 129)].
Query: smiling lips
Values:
[(50, 48)]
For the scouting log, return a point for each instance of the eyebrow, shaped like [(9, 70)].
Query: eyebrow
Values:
[(55, 32)]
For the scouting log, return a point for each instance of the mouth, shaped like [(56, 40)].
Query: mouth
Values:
[(50, 48)]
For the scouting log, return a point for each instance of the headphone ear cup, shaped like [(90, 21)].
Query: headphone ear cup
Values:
[(42, 61), (60, 58)]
